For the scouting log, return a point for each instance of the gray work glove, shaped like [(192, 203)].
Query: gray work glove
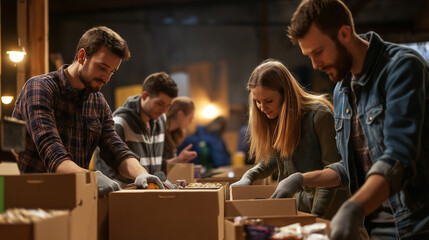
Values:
[(347, 221), (105, 185), (288, 186), (143, 179), (244, 181)]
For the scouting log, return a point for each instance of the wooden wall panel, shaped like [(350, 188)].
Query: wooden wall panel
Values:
[(38, 36)]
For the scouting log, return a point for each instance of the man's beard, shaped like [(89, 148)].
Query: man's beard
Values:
[(342, 63), (87, 83)]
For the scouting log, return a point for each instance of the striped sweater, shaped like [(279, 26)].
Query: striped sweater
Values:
[(149, 146)]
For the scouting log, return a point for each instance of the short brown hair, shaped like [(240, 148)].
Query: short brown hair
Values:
[(97, 37), (328, 15), (160, 82)]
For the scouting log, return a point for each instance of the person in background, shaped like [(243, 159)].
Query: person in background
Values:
[(67, 117), (140, 122), (382, 124), (243, 145), (179, 116), (292, 131), (207, 141)]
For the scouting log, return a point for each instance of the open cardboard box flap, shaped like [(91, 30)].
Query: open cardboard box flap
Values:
[(179, 171), (252, 192), (260, 207)]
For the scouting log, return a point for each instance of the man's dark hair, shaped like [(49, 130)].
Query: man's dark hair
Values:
[(161, 82), (328, 15), (97, 37)]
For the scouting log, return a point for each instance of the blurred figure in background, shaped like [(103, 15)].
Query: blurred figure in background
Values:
[(291, 131), (141, 123), (243, 145), (207, 141), (179, 116)]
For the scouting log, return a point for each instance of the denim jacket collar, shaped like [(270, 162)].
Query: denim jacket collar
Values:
[(375, 49)]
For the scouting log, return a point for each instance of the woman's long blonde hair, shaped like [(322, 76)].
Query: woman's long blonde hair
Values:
[(280, 135), (174, 138)]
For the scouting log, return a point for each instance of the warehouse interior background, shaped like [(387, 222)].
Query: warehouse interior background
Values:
[(209, 47)]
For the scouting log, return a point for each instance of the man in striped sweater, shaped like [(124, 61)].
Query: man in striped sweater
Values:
[(140, 122)]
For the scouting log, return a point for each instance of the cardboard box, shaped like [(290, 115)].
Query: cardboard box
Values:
[(9, 168), (277, 212), (260, 207), (74, 192), (103, 218), (252, 192), (232, 171), (219, 179), (229, 181), (180, 171), (54, 228), (167, 214), (236, 232), (235, 174)]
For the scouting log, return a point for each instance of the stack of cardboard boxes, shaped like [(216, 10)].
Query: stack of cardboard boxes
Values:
[(142, 214), (75, 193)]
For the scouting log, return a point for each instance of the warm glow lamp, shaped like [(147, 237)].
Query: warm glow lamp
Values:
[(6, 99), (210, 111), (16, 56)]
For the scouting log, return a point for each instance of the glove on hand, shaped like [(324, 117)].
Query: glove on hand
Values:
[(347, 221), (160, 175), (143, 179), (244, 181), (288, 186), (105, 185)]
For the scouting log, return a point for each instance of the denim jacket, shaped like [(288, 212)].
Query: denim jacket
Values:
[(393, 110)]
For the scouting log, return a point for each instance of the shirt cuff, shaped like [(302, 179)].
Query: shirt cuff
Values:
[(339, 169), (393, 174)]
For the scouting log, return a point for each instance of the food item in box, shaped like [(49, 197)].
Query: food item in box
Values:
[(316, 236), (152, 186), (258, 232), (315, 230), (169, 185), (292, 231), (214, 185), (285, 236), (21, 215), (241, 220), (181, 183)]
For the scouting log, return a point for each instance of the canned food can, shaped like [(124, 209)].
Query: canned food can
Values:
[(181, 183)]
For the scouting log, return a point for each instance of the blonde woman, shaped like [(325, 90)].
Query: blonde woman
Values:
[(291, 131), (179, 116)]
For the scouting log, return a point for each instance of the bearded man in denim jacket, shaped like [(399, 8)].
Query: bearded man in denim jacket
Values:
[(382, 124)]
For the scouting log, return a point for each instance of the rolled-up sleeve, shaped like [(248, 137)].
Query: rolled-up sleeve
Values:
[(338, 167), (404, 119)]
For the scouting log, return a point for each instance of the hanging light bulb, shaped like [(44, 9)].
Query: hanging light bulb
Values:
[(6, 99), (16, 56)]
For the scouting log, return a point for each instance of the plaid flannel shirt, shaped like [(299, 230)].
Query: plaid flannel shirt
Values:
[(63, 124)]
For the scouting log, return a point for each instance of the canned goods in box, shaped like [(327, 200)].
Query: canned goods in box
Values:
[(181, 183)]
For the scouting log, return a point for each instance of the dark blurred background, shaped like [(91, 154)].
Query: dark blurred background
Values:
[(209, 47)]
